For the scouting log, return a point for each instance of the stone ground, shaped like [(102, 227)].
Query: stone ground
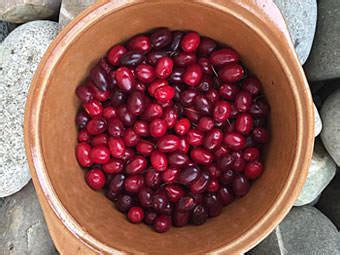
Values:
[(311, 227)]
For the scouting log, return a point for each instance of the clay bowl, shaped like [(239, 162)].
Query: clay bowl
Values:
[(258, 34)]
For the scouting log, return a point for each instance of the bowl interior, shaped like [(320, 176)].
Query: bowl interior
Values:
[(95, 213)]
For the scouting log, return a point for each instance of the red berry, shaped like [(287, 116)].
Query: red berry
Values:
[(136, 214), (95, 178)]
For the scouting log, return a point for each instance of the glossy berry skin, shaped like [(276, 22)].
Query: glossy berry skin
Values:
[(100, 154), (124, 203), (83, 152), (235, 140), (240, 186), (206, 124), (243, 101), (182, 126), (130, 138), (164, 67), (195, 137), (160, 38), (251, 154), (145, 147), (93, 108), (225, 195), (117, 147), (113, 166), (136, 214), (201, 156), (252, 85), (134, 183), (190, 42), (193, 75), (222, 111), (141, 128), (174, 192), (162, 224), (140, 43), (261, 135), (125, 79), (164, 94), (136, 165), (159, 161), (244, 123), (213, 139), (115, 53), (199, 215), (145, 73), (136, 103), (206, 46), (223, 56), (231, 72), (253, 170), (168, 143), (184, 59), (158, 128), (95, 178)]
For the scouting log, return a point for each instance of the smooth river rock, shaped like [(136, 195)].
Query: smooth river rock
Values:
[(71, 8), (320, 173), (21, 11), (301, 19), (20, 54), (23, 229), (329, 202), (330, 134), (304, 231), (324, 60)]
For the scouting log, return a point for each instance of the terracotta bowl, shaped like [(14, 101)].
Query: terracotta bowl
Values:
[(259, 35)]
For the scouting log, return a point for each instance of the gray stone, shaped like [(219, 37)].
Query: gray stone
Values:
[(20, 54), (21, 11), (301, 19), (330, 135), (304, 231), (71, 8), (329, 202), (324, 60), (22, 226), (321, 171), (5, 29), (317, 122)]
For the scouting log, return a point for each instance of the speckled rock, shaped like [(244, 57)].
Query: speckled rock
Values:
[(324, 60), (5, 29), (71, 8), (320, 173), (21, 11), (22, 226), (317, 122), (301, 19), (305, 231), (329, 202), (20, 54), (330, 134)]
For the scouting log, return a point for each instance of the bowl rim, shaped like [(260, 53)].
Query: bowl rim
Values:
[(305, 126)]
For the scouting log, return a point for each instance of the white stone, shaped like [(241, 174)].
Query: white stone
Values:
[(330, 134), (71, 8), (20, 54), (21, 11), (301, 19), (317, 122), (320, 173)]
